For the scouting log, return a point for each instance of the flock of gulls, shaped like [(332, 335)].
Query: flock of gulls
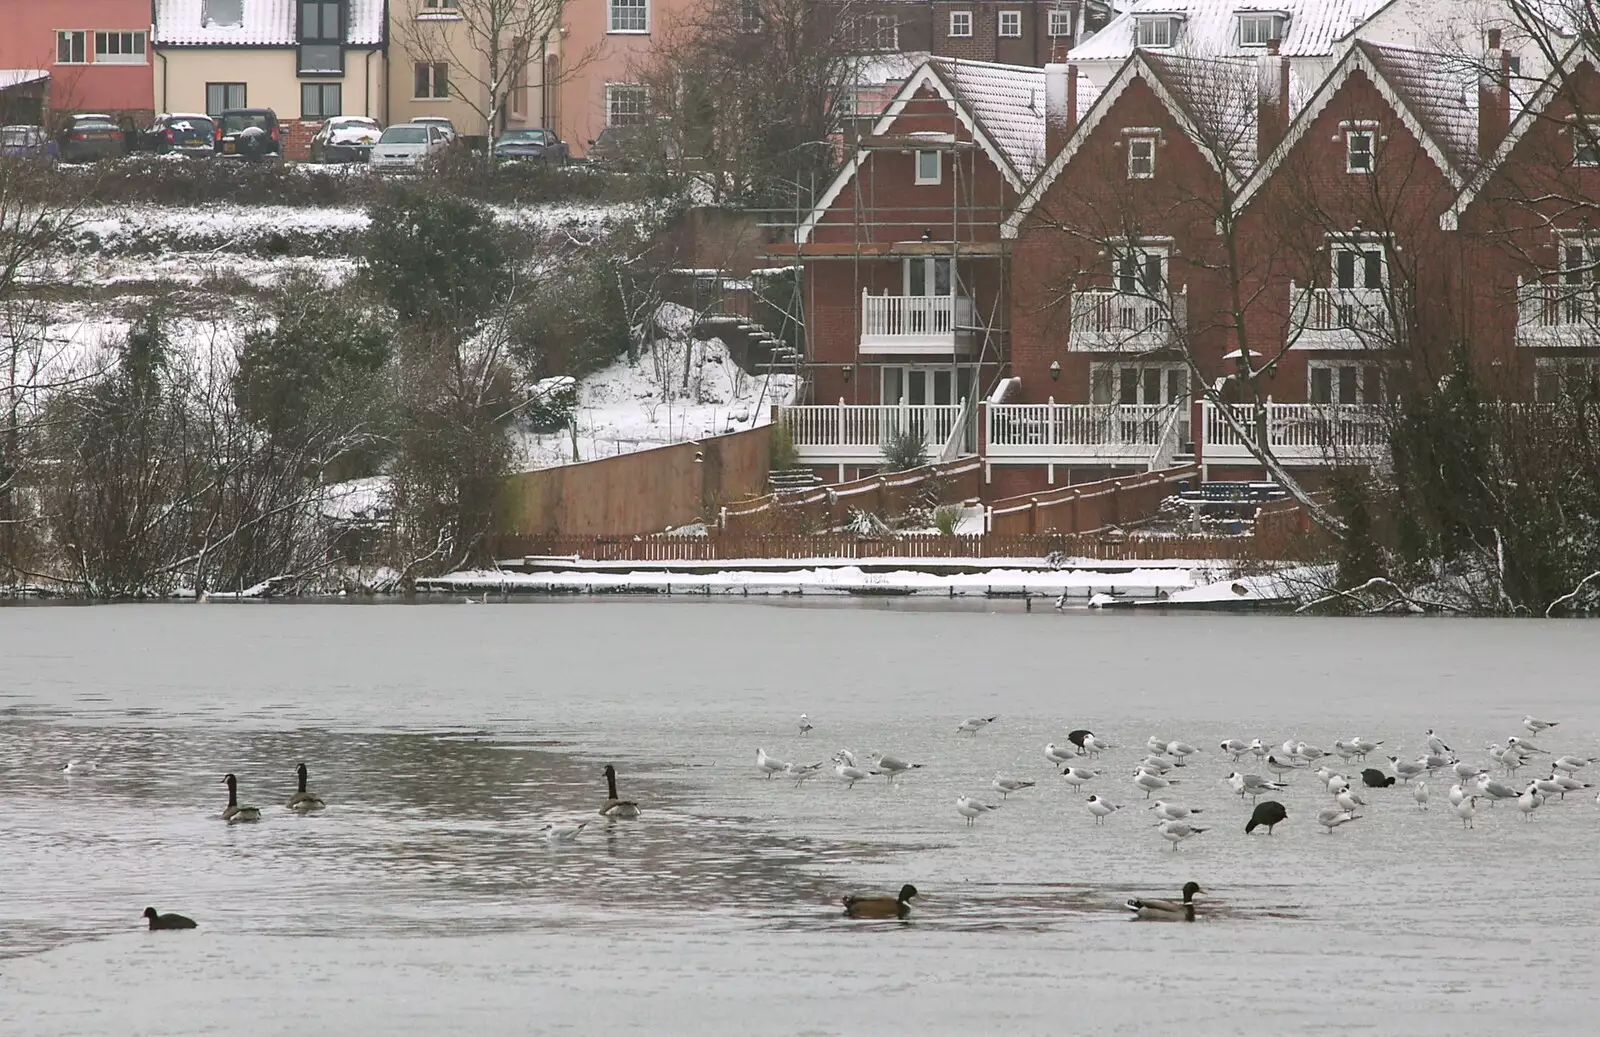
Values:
[(1158, 773), (1079, 762)]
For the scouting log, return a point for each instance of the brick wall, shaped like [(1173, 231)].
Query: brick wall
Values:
[(297, 134)]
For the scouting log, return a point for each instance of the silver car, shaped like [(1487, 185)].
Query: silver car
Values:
[(406, 147)]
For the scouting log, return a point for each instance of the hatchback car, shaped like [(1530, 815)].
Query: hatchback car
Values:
[(26, 142), (345, 138), (90, 137), (185, 134), (251, 134), (447, 127), (537, 145), (406, 147)]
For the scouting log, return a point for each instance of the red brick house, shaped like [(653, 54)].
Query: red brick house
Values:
[(905, 279), (82, 56)]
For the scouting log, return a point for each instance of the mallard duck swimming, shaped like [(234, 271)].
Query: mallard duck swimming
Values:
[(621, 809), (881, 907), (1167, 910), (302, 801), (161, 921), (236, 813)]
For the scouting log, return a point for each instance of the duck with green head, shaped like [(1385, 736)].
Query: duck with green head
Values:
[(881, 907), (1167, 910)]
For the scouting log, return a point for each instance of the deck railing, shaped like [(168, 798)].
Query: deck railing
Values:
[(1558, 314), (1111, 320), (827, 432), (1043, 429), (1334, 318), (1300, 432), (924, 321)]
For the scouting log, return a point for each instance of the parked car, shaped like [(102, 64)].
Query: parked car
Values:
[(448, 127), (27, 142), (537, 145), (345, 138), (251, 134), (186, 134), (90, 137), (407, 146), (624, 149)]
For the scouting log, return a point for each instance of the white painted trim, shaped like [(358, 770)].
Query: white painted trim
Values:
[(927, 75), (1354, 58), (1133, 68), (1531, 113)]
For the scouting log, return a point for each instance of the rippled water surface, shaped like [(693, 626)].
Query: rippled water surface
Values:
[(424, 901)]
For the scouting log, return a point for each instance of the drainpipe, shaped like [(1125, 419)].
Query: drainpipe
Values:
[(163, 58), (366, 108)]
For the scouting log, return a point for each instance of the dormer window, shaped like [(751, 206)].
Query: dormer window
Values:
[(1156, 32), (1141, 158), (222, 12), (1359, 156), (1257, 29), (322, 32)]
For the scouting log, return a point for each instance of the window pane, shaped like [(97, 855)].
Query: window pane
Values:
[(1371, 385), (1374, 269), (1321, 385), (321, 57), (236, 97), (1347, 385), (1100, 385), (1177, 385), (1345, 268), (1152, 385), (216, 97), (421, 83), (1128, 390), (441, 80)]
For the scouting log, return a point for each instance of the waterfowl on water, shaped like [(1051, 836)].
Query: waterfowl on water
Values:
[(169, 921), (1271, 813), (620, 809), (302, 801), (1167, 910), (80, 767), (881, 907), (235, 813)]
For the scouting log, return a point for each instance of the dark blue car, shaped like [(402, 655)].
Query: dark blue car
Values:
[(26, 142)]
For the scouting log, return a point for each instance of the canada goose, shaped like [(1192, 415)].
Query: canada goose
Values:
[(1271, 813), (161, 921), (620, 809), (236, 813), (1167, 910), (303, 801), (881, 907)]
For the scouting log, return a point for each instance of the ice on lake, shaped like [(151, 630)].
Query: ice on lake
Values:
[(424, 901)]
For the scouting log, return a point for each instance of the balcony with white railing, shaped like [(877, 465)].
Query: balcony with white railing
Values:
[(1558, 314), (1340, 318), (1111, 321), (1299, 434), (916, 325), (1089, 434), (825, 434)]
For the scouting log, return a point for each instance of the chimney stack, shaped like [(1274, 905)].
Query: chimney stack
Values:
[(1272, 100), (1494, 96), (1060, 106)]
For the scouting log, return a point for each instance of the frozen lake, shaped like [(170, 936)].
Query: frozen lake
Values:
[(422, 900)]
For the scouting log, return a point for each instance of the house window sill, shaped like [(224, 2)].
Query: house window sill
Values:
[(627, 32), (433, 100), (439, 16)]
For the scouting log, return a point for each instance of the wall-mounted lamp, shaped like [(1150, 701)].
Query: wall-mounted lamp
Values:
[(848, 371), (927, 236), (1055, 370)]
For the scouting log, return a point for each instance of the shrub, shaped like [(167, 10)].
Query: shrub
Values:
[(947, 518), (435, 259), (904, 449)]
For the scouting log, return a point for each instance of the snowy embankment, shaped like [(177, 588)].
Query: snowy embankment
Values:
[(677, 388), (770, 577)]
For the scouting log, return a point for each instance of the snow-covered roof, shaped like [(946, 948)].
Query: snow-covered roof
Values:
[(266, 23), (1211, 27), (889, 66), (1007, 101), (1219, 97), (10, 77), (1442, 92)]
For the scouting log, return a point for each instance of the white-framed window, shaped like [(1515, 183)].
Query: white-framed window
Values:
[(430, 80), (961, 23), (1360, 151), (628, 16), (1357, 263), (877, 32), (1586, 142), (1124, 383), (1141, 158), (929, 167), (1140, 270), (625, 104), (1155, 32), (929, 275), (72, 47), (1580, 261), (1563, 378), (120, 48), (1060, 23), (1334, 381), (1010, 24), (1257, 29)]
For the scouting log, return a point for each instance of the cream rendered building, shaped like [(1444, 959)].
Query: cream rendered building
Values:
[(440, 67), (304, 59)]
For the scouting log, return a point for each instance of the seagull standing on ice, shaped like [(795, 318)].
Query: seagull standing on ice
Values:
[(1095, 746), (1529, 801), (1349, 799), (1172, 811), (1419, 792), (1253, 785), (1524, 747), (889, 766), (1572, 764), (1180, 751), (1495, 789), (768, 765), (1434, 742), (1236, 747), (1362, 746), (1058, 756), (1466, 810), (972, 725), (1102, 808), (1155, 764), (850, 773), (1331, 818), (1151, 782), (805, 725), (971, 809), (1278, 766), (1176, 832), (1405, 770), (801, 771), (1006, 786), (1077, 776), (1533, 725)]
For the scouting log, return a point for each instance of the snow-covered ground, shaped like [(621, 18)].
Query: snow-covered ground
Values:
[(678, 388)]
